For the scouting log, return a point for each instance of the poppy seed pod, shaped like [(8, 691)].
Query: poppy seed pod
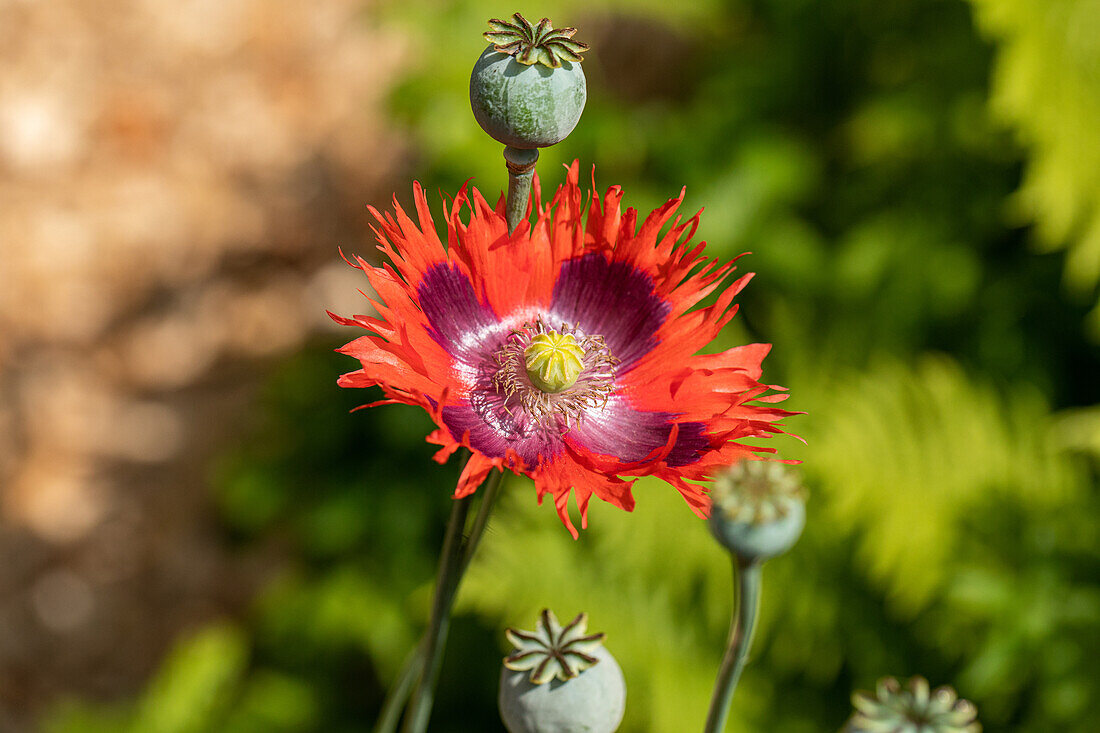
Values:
[(560, 680), (912, 708), (527, 89), (757, 510)]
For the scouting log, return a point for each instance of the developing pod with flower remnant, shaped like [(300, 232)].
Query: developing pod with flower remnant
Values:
[(759, 509), (460, 332), (758, 512), (913, 708)]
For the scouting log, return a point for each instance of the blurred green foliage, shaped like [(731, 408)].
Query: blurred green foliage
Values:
[(1048, 86), (953, 406)]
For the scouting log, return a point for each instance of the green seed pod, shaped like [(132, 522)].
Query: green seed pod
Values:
[(527, 89), (560, 680), (757, 510), (913, 708)]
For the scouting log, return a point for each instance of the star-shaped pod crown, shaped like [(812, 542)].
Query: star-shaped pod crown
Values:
[(757, 492), (534, 44), (912, 709), (553, 650)]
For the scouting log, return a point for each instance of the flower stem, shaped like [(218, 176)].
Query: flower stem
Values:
[(455, 558), (420, 708), (493, 486), (521, 168), (399, 692), (746, 585), (457, 553)]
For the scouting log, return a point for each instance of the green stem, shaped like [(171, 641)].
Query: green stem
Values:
[(746, 585), (457, 553), (427, 658), (493, 486), (435, 638), (521, 169), (399, 692)]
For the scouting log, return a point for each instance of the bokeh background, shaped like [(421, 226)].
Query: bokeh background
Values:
[(195, 533)]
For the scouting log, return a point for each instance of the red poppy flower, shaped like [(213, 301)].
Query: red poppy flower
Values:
[(566, 350)]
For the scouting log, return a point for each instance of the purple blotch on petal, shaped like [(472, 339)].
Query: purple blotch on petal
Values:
[(462, 417), (457, 319), (690, 444), (493, 430), (611, 299), (630, 435)]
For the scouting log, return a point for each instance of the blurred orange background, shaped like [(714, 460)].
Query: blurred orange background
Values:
[(175, 179)]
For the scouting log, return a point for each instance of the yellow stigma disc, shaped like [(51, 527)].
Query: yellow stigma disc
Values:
[(554, 361)]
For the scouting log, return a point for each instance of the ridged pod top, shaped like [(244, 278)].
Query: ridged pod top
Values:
[(534, 44), (913, 708), (756, 492), (553, 650)]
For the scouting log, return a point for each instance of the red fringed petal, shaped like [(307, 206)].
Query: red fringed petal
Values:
[(513, 275)]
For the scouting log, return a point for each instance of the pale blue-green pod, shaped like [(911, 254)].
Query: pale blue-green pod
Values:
[(758, 510), (760, 541), (912, 708), (527, 89), (560, 680), (526, 106)]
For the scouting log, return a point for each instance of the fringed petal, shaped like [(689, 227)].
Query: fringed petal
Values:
[(440, 312)]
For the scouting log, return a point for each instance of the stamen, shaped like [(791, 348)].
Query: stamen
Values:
[(520, 366)]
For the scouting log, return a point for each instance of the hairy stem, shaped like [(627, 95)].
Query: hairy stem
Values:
[(746, 585)]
